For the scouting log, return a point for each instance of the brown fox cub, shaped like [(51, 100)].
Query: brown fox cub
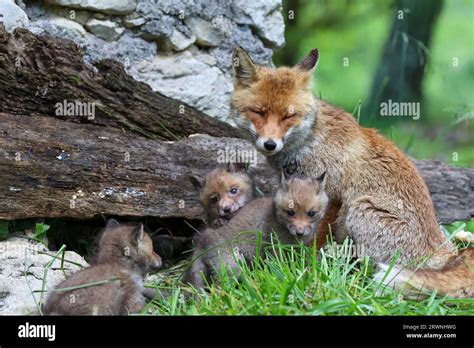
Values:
[(385, 205), (125, 256), (294, 216), (224, 191)]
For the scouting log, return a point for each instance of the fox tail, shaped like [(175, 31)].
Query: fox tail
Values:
[(454, 279)]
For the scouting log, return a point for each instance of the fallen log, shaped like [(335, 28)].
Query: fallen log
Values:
[(38, 72), (451, 189), (52, 168)]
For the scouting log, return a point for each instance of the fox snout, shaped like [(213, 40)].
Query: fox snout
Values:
[(269, 145), (300, 230), (157, 261), (227, 209)]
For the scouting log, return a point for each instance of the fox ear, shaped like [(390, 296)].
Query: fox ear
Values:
[(245, 71), (237, 167), (139, 233), (310, 62), (284, 180), (197, 181), (321, 180), (112, 223)]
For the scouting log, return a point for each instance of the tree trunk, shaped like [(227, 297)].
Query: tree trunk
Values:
[(399, 76)]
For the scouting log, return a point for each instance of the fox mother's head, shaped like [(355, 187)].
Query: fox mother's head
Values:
[(274, 106)]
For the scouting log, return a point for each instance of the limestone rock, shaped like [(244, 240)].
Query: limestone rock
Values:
[(58, 26), (37, 12), (106, 6), (242, 36), (12, 15), (107, 30), (128, 50), (68, 25), (263, 15), (22, 268), (252, 12), (272, 29), (169, 33), (179, 41), (207, 34), (183, 76), (131, 22), (78, 16), (185, 8)]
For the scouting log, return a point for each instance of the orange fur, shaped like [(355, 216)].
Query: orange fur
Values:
[(327, 225)]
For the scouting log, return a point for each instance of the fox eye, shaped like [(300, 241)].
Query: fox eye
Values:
[(311, 213), (289, 115), (259, 112), (214, 199), (233, 190), (290, 212)]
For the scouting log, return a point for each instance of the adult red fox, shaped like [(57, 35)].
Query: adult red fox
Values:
[(385, 205)]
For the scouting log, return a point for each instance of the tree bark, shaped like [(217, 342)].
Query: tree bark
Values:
[(52, 168), (37, 72)]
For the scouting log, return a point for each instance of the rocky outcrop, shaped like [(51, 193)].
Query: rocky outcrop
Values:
[(179, 73), (106, 30), (182, 49), (24, 272), (106, 6), (12, 15)]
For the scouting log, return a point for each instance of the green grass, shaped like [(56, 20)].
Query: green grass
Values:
[(294, 281), (40, 233)]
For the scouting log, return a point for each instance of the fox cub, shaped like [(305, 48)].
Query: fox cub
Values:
[(293, 215), (114, 284), (224, 191)]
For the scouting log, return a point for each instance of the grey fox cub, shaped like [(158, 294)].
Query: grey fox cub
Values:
[(224, 191), (125, 256), (293, 215)]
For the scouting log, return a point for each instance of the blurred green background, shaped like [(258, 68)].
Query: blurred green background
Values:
[(426, 56)]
